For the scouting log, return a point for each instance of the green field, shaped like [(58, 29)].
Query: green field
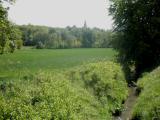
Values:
[(32, 60)]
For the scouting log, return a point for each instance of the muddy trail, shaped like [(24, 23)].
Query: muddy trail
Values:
[(128, 105)]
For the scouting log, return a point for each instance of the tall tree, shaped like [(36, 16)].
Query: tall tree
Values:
[(4, 28), (137, 23), (8, 32)]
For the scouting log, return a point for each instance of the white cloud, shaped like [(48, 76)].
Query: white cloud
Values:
[(61, 13)]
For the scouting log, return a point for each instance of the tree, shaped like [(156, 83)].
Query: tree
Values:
[(137, 26), (8, 33), (16, 37), (4, 24), (88, 38)]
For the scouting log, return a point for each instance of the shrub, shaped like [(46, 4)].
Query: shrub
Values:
[(89, 92), (148, 103), (40, 45), (105, 80), (12, 46), (49, 97), (19, 44)]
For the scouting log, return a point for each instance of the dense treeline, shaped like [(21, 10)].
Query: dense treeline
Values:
[(69, 37)]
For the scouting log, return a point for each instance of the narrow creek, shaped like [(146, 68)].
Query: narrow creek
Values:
[(128, 105)]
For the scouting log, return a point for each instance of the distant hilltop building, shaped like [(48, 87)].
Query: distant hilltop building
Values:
[(85, 24)]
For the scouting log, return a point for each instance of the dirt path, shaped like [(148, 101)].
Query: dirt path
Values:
[(128, 105)]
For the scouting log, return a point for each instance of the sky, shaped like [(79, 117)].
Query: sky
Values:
[(61, 13)]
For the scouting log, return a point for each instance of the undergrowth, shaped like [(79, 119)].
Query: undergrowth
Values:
[(148, 104), (93, 91)]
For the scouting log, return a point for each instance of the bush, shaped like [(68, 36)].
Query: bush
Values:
[(49, 97), (12, 46), (19, 44), (105, 80), (89, 92), (148, 103), (40, 45)]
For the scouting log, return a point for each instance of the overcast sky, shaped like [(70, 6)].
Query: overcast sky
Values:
[(61, 13)]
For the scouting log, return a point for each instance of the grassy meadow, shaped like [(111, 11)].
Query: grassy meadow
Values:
[(30, 60)]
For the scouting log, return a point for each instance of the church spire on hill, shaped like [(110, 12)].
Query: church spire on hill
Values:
[(85, 24)]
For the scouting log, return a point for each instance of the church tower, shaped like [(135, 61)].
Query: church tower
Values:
[(85, 24)]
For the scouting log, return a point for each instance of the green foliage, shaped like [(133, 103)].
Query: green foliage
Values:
[(48, 97), (148, 104), (16, 37), (40, 45), (105, 80), (19, 44), (137, 26), (69, 37), (8, 32), (12, 46), (4, 30), (88, 92)]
